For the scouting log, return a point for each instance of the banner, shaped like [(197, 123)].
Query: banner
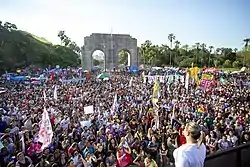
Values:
[(45, 133), (206, 83), (170, 78)]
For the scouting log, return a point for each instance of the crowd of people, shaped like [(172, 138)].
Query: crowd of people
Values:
[(126, 128)]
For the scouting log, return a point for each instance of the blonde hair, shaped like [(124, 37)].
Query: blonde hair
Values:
[(195, 132)]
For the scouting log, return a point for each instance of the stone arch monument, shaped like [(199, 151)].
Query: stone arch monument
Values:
[(110, 45)]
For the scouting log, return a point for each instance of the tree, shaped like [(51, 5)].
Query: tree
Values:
[(185, 47), (210, 54), (247, 41), (246, 52), (197, 47), (66, 40), (123, 57), (171, 38), (19, 49), (96, 62), (61, 35)]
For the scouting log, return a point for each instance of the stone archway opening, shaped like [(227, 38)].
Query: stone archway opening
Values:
[(124, 58), (98, 59)]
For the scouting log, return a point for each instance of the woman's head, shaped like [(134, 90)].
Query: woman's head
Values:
[(192, 130)]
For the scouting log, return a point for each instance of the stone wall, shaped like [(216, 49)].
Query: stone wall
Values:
[(111, 45)]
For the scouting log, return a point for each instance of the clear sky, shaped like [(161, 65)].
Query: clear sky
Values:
[(214, 22)]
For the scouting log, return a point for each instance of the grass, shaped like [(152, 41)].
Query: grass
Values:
[(230, 69), (40, 39)]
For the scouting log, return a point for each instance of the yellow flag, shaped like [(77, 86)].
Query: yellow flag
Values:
[(194, 72), (156, 91)]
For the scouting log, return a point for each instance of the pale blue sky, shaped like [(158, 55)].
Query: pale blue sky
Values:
[(214, 22)]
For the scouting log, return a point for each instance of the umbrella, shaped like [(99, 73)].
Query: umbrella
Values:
[(102, 76)]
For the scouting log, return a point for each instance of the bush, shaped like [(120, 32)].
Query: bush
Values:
[(227, 64), (236, 64)]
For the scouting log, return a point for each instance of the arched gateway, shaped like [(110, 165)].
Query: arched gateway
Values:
[(110, 44)]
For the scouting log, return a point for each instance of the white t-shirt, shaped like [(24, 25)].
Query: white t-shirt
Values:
[(189, 155)]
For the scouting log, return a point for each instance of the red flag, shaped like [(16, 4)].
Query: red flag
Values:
[(88, 76), (52, 76)]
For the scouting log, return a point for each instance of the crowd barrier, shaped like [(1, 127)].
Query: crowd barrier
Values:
[(234, 157)]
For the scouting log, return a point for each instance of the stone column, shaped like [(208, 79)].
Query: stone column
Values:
[(87, 59)]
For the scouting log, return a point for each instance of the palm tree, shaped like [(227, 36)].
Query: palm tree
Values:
[(217, 51), (185, 47), (171, 38), (210, 53), (235, 50), (177, 46), (247, 41), (246, 47), (203, 49), (61, 35), (66, 40), (197, 46), (13, 27)]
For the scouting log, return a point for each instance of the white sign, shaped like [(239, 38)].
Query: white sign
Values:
[(89, 109), (85, 123)]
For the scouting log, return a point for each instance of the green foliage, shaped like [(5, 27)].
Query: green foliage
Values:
[(20, 49), (96, 62), (227, 64), (68, 43), (199, 54), (236, 64), (123, 57)]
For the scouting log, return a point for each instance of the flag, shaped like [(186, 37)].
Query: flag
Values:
[(52, 76), (144, 77), (194, 72), (55, 92), (88, 76), (115, 105), (131, 82), (44, 95), (45, 133), (201, 109), (173, 115), (156, 91), (187, 81), (157, 121)]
